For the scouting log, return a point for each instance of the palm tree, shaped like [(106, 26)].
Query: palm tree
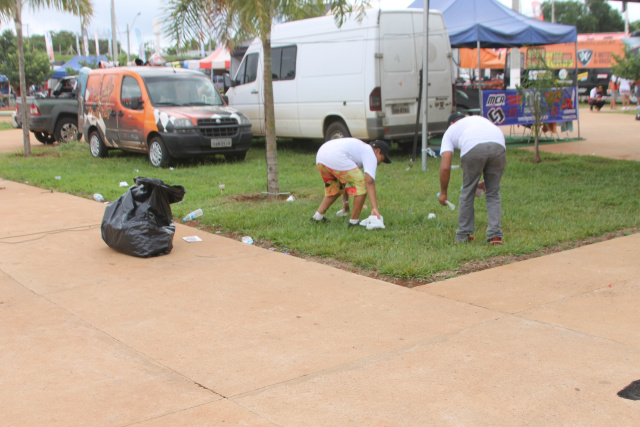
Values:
[(235, 21), (12, 9)]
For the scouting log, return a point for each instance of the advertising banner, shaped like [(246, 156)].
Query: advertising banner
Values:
[(508, 107), (49, 46)]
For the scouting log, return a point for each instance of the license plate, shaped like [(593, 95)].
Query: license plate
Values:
[(400, 109), (220, 142)]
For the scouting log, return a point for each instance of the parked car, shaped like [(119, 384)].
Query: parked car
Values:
[(164, 112), (53, 118)]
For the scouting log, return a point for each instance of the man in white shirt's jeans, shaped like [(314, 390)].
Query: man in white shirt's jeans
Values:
[(482, 152)]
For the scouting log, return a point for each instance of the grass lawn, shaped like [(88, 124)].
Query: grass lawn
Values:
[(564, 200)]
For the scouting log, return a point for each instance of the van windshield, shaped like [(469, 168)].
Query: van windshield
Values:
[(182, 91)]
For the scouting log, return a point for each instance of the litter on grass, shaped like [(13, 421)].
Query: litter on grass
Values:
[(123, 184), (192, 239)]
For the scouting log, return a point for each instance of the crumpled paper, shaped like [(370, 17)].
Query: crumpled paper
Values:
[(372, 222)]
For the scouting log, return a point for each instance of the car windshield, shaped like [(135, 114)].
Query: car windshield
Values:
[(180, 90)]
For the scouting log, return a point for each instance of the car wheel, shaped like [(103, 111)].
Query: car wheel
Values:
[(66, 130), (158, 154), (337, 130), (96, 146), (44, 138), (235, 157)]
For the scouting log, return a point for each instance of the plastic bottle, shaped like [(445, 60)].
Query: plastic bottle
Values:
[(247, 239), (98, 197), (192, 215), (451, 205)]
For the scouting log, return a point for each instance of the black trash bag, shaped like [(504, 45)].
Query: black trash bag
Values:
[(140, 223)]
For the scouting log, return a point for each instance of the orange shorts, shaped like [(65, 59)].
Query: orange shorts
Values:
[(337, 182)]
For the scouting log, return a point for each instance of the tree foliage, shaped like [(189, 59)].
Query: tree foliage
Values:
[(540, 92), (36, 67), (592, 16), (627, 66)]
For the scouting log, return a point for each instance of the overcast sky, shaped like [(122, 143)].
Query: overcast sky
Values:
[(151, 10)]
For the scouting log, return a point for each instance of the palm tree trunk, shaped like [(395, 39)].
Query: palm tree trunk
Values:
[(23, 82), (270, 123)]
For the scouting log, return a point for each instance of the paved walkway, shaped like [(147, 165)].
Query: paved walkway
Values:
[(221, 333)]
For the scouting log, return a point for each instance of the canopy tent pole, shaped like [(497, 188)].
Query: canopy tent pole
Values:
[(479, 78), (425, 87), (575, 63)]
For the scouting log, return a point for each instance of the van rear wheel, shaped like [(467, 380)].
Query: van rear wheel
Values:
[(158, 154), (337, 130)]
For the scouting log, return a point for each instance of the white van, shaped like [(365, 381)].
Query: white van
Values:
[(359, 80)]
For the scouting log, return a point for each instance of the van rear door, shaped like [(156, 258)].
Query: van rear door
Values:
[(399, 68), (402, 45)]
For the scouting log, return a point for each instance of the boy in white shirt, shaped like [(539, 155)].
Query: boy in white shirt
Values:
[(349, 165)]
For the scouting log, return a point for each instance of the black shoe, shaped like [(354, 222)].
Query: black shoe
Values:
[(353, 225), (317, 221)]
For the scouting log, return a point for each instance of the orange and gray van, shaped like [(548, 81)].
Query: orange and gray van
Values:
[(164, 112)]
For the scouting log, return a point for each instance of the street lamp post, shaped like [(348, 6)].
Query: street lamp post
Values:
[(128, 41)]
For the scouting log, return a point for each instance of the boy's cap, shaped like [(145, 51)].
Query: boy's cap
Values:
[(384, 149)]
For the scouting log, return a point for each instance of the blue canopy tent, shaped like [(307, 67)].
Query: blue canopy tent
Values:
[(76, 63), (492, 24)]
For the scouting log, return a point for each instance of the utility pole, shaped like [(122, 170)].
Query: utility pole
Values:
[(114, 33), (128, 40)]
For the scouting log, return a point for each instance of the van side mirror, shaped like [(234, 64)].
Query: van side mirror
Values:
[(228, 82)]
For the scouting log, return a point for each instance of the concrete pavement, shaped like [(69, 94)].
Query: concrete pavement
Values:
[(222, 333)]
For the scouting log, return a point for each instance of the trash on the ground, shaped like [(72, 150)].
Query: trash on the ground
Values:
[(272, 249), (123, 184), (192, 239), (26, 182), (98, 197), (286, 253), (372, 222), (247, 239), (58, 177), (137, 170), (431, 216), (291, 198), (342, 212), (455, 166), (170, 169), (221, 186), (140, 222), (193, 215)]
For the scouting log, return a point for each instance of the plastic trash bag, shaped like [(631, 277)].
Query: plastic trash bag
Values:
[(140, 222)]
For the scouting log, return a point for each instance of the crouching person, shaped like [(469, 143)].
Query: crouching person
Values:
[(349, 165)]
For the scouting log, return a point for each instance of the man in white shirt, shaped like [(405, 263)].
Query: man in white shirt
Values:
[(482, 152), (349, 165)]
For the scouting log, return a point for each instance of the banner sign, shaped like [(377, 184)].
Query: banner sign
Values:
[(49, 45), (507, 107)]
